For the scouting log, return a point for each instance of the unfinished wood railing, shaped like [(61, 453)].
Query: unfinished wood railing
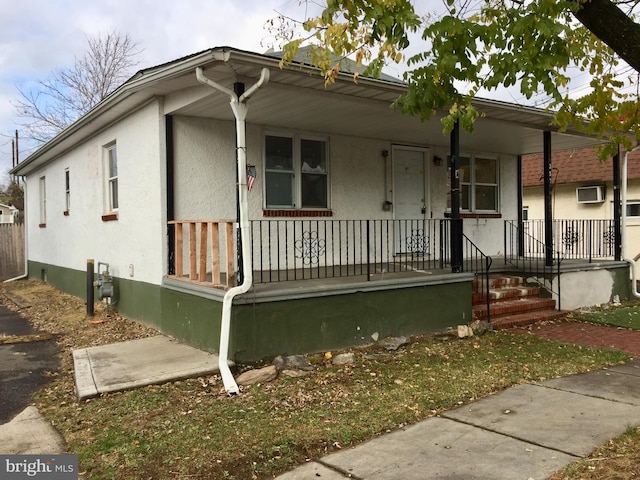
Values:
[(210, 245)]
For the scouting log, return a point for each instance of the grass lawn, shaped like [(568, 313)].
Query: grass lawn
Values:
[(626, 315), (190, 429)]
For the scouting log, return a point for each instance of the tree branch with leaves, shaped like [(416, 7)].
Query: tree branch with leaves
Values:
[(533, 45)]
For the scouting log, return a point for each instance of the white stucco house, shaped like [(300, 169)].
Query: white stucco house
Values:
[(347, 222)]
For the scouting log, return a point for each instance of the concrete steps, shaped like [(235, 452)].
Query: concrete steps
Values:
[(513, 303)]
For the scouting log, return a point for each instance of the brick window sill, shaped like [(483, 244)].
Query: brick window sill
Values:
[(475, 215), (297, 213), (110, 217)]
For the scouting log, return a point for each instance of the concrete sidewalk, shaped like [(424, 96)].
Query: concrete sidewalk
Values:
[(525, 432), (137, 363)]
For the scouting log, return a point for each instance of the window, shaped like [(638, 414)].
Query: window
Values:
[(67, 192), (525, 213), (478, 179), (43, 202), (296, 172), (112, 178), (633, 209)]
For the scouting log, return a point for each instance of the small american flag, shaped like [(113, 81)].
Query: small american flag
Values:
[(251, 176)]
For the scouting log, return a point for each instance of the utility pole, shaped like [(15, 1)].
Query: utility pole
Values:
[(16, 157)]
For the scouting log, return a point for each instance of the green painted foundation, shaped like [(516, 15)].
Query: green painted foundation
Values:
[(261, 331), (266, 329)]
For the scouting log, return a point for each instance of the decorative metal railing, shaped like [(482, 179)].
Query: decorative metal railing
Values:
[(475, 261), (306, 249), (576, 239), (284, 250), (529, 255)]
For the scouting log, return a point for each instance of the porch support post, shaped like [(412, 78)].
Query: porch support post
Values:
[(456, 221), (617, 207), (548, 212), (520, 218), (171, 235), (238, 89)]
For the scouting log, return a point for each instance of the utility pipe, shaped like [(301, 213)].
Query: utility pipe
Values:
[(239, 107), (26, 226), (623, 220)]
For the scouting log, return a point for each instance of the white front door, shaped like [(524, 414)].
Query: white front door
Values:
[(410, 204)]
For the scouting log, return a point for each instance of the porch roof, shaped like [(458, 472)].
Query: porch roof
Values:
[(296, 98)]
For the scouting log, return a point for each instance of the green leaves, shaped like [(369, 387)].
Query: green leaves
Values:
[(532, 44)]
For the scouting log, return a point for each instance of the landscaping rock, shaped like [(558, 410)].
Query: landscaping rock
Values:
[(294, 362), (480, 327), (344, 358), (259, 375), (464, 331), (393, 343), (294, 373)]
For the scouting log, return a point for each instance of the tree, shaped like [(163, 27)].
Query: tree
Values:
[(69, 93), (533, 44)]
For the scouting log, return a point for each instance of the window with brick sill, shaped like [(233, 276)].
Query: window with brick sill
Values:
[(295, 174)]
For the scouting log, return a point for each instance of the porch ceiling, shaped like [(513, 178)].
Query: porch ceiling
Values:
[(297, 99)]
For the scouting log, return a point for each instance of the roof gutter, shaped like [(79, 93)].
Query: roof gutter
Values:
[(239, 107), (623, 220)]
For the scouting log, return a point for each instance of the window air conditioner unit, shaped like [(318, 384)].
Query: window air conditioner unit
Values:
[(595, 194)]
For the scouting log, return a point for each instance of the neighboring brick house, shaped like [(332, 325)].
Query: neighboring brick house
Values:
[(582, 188)]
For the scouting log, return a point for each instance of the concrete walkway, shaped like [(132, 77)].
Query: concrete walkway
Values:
[(525, 432), (137, 363), (28, 433)]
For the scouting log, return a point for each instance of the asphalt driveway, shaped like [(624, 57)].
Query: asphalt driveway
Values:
[(25, 366)]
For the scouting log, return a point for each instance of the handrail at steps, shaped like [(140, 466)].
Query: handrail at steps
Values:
[(479, 263), (532, 261)]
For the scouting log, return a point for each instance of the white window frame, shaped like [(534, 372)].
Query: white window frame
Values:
[(67, 190), (473, 184), (43, 200), (111, 181), (297, 171), (634, 203)]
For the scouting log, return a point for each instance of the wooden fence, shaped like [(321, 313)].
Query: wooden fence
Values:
[(11, 250)]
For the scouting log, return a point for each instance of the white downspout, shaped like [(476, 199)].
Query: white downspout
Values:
[(623, 220), (239, 107), (26, 243)]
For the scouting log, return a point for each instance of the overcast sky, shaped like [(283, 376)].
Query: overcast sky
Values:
[(38, 36)]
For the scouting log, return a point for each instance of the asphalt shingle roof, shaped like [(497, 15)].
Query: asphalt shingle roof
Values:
[(575, 166)]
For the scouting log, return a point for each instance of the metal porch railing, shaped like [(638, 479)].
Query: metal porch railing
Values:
[(475, 261), (285, 250), (578, 239), (531, 258)]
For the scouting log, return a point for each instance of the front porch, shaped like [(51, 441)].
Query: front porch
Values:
[(329, 252), (327, 284)]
